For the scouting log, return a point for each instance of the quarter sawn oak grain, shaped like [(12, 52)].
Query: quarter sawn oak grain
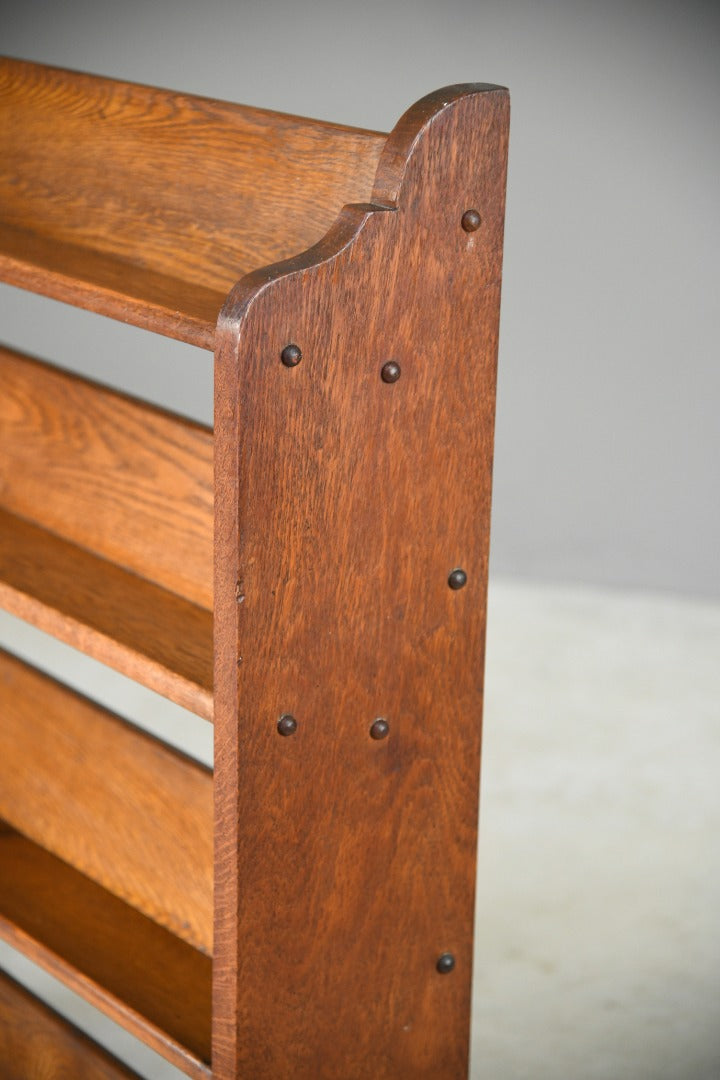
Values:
[(148, 205), (127, 481), (338, 648), (112, 801), (123, 963), (105, 284), (145, 632), (345, 866)]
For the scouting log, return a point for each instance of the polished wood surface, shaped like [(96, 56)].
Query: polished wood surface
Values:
[(36, 1043), (109, 286), (354, 411), (143, 631), (184, 194), (138, 973), (345, 864), (123, 479), (112, 801)]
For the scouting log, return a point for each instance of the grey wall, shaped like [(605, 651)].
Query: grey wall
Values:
[(607, 439)]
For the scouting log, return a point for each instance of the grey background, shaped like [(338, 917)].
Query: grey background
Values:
[(607, 437)]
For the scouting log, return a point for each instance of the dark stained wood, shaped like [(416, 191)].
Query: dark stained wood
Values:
[(187, 194), (36, 1043), (145, 632), (115, 803), (345, 865), (141, 975), (125, 480)]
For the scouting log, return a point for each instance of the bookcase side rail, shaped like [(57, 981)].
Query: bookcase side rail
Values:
[(355, 393)]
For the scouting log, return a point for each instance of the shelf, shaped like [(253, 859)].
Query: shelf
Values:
[(106, 526), (35, 1041), (146, 632), (128, 481), (109, 286), (148, 206), (138, 973), (112, 801)]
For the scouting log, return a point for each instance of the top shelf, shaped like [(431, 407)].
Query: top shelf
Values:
[(148, 206)]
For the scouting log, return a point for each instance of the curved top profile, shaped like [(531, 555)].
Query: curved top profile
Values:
[(453, 137)]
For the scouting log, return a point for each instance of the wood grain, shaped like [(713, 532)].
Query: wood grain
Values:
[(36, 1043), (139, 974), (127, 481), (194, 190), (345, 866), (112, 801), (141, 630), (109, 286)]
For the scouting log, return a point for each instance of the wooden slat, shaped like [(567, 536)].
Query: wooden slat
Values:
[(36, 1042), (112, 801), (138, 973), (193, 190), (125, 480), (109, 285), (145, 632)]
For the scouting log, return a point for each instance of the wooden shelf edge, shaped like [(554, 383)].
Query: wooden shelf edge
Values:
[(124, 479), (109, 286), (118, 805), (37, 1041), (107, 650), (143, 631), (90, 940)]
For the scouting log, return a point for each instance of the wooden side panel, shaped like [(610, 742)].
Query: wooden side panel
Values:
[(37, 1043), (128, 481), (345, 499), (194, 189), (115, 803), (145, 632), (138, 973)]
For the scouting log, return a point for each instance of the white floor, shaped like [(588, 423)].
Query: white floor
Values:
[(598, 916)]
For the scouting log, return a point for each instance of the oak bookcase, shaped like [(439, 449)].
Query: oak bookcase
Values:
[(306, 908)]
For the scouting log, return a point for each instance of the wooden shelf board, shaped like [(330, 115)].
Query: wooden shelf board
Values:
[(110, 286), (37, 1041), (138, 973), (126, 480), (148, 633), (120, 806), (148, 205)]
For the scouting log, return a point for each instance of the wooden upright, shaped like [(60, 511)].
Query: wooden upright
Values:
[(352, 445)]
